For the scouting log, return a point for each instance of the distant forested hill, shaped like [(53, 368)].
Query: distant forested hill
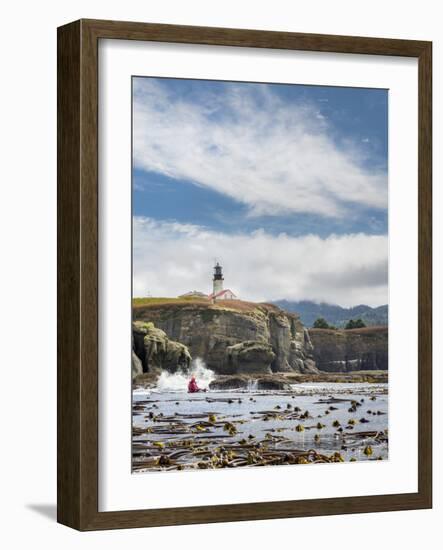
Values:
[(335, 315)]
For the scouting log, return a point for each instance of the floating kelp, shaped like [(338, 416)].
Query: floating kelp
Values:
[(244, 455), (331, 400), (187, 433)]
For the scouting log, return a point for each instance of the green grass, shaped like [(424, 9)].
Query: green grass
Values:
[(138, 302), (239, 306)]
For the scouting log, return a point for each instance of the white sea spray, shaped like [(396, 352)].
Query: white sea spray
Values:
[(178, 381)]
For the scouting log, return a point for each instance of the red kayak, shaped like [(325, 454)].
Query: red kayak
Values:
[(192, 386)]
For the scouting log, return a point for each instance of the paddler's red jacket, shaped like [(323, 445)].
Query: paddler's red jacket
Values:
[(192, 386)]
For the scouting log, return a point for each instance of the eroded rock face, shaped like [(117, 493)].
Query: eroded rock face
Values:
[(350, 350), (301, 354), (212, 332), (249, 357), (137, 367), (156, 351)]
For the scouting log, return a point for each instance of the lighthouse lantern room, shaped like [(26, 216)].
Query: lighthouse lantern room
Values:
[(217, 281)]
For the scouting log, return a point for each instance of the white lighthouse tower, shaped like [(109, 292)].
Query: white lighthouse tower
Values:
[(218, 292), (217, 281)]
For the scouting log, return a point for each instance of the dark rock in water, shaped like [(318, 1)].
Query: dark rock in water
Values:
[(212, 332), (229, 383), (272, 383), (350, 350), (234, 382)]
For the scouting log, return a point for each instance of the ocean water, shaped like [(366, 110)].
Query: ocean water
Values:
[(261, 415)]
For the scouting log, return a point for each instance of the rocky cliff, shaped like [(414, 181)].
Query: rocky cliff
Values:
[(350, 350), (155, 351), (232, 337)]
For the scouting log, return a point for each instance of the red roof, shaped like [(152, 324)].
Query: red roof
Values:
[(218, 294)]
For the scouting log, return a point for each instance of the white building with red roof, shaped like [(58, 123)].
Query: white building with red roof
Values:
[(225, 294), (218, 292)]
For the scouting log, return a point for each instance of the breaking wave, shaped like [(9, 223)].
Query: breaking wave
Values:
[(178, 381)]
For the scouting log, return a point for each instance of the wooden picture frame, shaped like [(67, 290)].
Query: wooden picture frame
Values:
[(78, 274)]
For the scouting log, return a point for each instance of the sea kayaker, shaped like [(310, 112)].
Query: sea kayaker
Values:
[(192, 386)]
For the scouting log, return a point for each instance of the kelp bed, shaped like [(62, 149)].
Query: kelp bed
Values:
[(234, 431)]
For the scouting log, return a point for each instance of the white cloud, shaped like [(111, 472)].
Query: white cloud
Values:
[(273, 157), (172, 258)]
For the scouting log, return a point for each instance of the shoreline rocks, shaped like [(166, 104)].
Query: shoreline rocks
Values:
[(137, 367), (232, 335), (249, 357), (156, 352), (243, 338), (270, 382), (350, 350), (229, 383)]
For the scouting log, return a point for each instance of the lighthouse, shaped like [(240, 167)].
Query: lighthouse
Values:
[(217, 281), (218, 293)]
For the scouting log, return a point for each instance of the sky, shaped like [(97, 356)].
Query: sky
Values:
[(285, 185)]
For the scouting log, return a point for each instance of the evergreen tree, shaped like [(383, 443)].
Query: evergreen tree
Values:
[(357, 323), (321, 323)]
